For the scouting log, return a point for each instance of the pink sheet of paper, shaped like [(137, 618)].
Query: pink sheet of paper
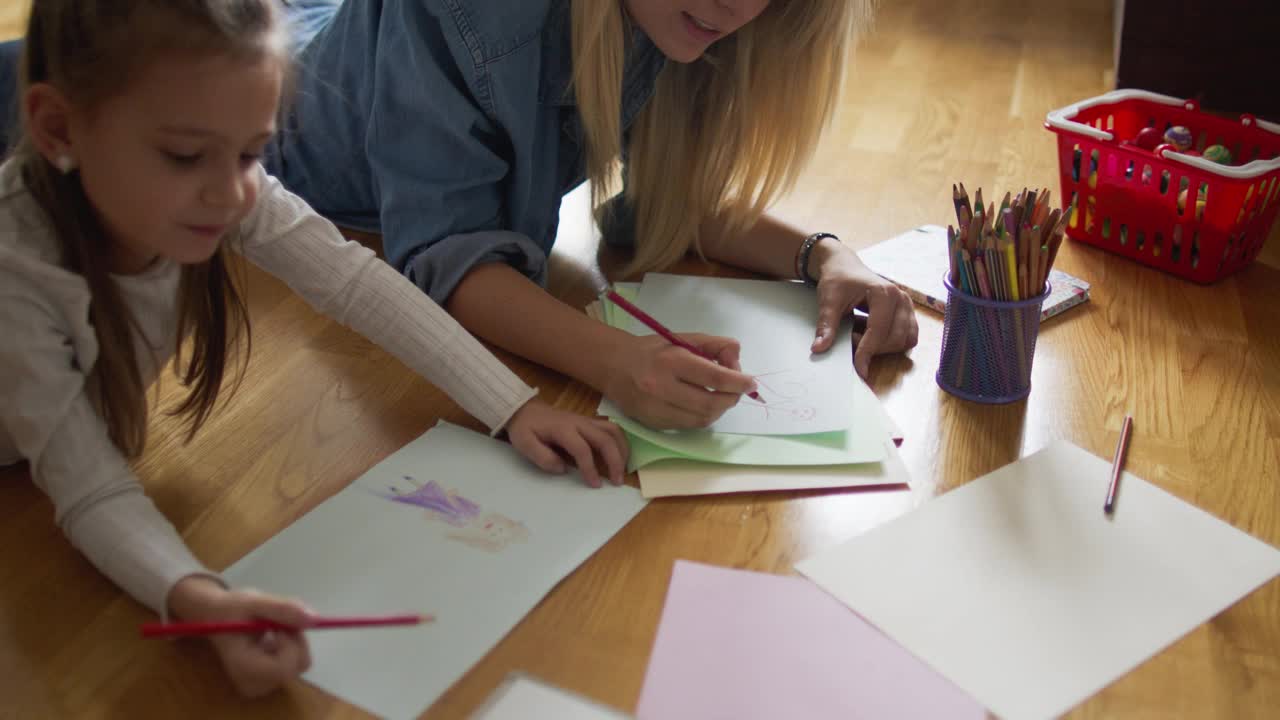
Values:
[(742, 645)]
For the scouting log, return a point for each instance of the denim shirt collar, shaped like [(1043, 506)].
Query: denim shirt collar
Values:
[(643, 63)]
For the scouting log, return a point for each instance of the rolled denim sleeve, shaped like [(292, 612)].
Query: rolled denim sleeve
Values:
[(442, 211), (439, 267)]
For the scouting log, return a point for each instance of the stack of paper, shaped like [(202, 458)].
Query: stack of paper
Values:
[(817, 424)]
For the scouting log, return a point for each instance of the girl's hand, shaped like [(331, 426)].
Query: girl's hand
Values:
[(255, 663), (665, 386), (546, 436), (845, 283)]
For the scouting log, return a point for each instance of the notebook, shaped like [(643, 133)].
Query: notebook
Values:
[(916, 260)]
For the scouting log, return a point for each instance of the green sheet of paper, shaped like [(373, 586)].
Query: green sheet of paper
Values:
[(862, 443), (840, 448)]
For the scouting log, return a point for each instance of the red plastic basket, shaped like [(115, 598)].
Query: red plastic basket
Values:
[(1174, 211)]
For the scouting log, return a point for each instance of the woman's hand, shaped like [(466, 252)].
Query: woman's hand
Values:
[(665, 386), (845, 283), (256, 663), (546, 436)]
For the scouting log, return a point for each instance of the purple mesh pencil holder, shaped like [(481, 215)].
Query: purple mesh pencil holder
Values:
[(988, 345)]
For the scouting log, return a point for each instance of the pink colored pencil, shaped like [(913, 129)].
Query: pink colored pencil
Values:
[(661, 329), (187, 629), (1117, 464)]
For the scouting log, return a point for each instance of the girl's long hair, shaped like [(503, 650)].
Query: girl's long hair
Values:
[(90, 50)]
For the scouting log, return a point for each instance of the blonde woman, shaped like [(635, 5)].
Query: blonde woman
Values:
[(454, 127)]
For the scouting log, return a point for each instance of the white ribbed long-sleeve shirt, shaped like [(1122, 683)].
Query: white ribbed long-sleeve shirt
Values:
[(48, 350)]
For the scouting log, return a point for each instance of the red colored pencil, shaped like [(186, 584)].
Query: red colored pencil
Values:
[(183, 629), (1117, 464), (661, 329)]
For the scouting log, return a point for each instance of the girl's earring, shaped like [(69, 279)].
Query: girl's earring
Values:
[(65, 164)]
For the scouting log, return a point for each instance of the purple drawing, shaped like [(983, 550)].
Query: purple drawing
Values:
[(488, 531)]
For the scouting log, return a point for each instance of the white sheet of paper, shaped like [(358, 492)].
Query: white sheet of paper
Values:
[(687, 477), (522, 697), (1019, 589), (774, 322), (500, 536)]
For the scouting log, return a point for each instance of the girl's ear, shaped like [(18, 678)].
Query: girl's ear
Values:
[(47, 113)]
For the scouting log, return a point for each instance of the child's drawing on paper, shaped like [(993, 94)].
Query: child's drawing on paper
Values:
[(488, 531), (785, 393)]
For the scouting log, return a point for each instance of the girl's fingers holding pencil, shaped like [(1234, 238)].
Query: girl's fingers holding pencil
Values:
[(255, 670), (269, 641), (257, 664), (249, 604)]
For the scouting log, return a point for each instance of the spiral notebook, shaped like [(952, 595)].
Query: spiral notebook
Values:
[(916, 260)]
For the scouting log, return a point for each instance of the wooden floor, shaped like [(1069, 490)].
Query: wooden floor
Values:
[(942, 92)]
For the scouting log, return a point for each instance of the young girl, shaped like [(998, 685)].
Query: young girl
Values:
[(454, 127), (136, 172)]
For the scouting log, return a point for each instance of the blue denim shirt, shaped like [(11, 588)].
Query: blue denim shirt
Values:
[(447, 125)]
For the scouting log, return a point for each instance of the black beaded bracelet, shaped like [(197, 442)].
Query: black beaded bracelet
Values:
[(802, 257)]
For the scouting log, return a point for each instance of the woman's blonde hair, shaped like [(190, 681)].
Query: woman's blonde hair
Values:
[(90, 50), (722, 137)]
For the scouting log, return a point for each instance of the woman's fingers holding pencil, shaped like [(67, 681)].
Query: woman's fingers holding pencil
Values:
[(726, 352), (724, 375), (666, 386)]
